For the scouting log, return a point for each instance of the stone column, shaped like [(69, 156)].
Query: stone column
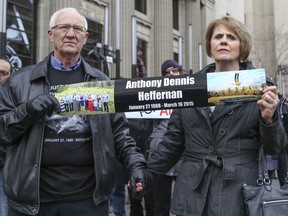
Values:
[(193, 17), (163, 32)]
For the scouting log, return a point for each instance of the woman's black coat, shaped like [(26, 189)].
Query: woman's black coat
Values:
[(220, 155)]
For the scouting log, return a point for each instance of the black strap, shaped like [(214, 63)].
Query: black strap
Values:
[(284, 115), (263, 177)]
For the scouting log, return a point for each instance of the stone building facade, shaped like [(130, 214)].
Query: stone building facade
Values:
[(138, 35)]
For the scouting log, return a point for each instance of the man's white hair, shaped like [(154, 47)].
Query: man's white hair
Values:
[(56, 14)]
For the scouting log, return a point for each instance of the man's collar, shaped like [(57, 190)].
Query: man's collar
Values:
[(60, 66)]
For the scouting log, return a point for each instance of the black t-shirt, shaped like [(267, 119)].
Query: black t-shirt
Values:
[(67, 165)]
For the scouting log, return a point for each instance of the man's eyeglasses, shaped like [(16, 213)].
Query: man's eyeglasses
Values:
[(4, 73), (66, 27)]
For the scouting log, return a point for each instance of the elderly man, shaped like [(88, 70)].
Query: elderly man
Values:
[(5, 70), (61, 164)]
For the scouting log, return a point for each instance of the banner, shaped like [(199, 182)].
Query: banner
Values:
[(162, 93)]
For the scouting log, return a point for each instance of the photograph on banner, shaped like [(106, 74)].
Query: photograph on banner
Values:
[(235, 87), (86, 98)]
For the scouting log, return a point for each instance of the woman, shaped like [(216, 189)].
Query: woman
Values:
[(219, 149)]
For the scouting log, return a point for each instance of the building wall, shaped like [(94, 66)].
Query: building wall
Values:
[(259, 20), (44, 11), (156, 28), (281, 43), (266, 20), (233, 7), (215, 9)]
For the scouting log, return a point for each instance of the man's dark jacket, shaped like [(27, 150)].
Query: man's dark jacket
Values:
[(23, 134)]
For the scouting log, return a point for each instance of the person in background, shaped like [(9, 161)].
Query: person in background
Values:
[(105, 99), (140, 69), (118, 196), (140, 129), (62, 164), (272, 165), (220, 149), (5, 71), (282, 172), (162, 187)]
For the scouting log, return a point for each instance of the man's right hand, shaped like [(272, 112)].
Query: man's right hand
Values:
[(140, 183), (43, 104)]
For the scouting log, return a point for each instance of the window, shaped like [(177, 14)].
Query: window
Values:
[(176, 57), (95, 36), (20, 34), (175, 14), (141, 59), (141, 6)]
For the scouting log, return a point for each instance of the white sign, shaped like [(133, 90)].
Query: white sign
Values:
[(150, 114), (109, 59)]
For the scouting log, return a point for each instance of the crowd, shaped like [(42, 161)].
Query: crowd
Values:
[(66, 165)]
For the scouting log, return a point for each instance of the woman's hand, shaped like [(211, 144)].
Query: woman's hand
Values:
[(268, 104)]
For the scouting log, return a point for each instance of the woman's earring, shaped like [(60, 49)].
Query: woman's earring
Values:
[(241, 60)]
